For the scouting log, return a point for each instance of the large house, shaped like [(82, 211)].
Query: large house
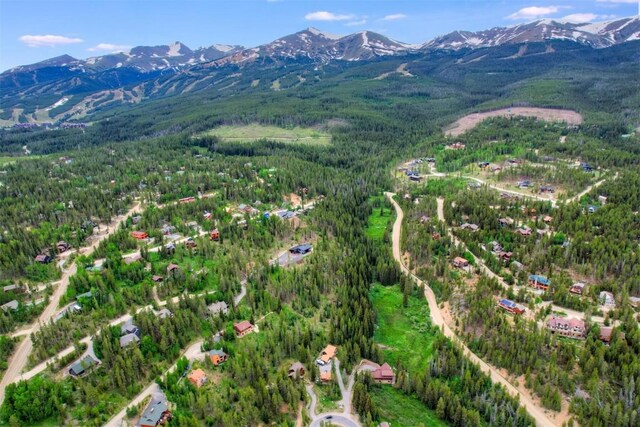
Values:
[(539, 282), (302, 249), (571, 328), (156, 413), (243, 328), (511, 306), (82, 366), (384, 375), (11, 305), (606, 334), (577, 288), (327, 354), (217, 357), (128, 339), (218, 308), (471, 227), (197, 377)]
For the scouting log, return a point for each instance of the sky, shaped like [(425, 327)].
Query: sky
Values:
[(34, 30)]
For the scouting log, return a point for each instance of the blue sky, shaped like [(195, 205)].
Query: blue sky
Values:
[(32, 31)]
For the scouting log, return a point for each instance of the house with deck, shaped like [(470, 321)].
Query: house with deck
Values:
[(217, 357), (243, 328), (460, 262), (156, 413), (82, 366), (570, 328), (327, 355), (139, 235), (197, 377), (539, 282), (384, 374), (510, 306)]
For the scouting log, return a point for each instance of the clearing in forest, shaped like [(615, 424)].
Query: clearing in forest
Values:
[(466, 123), (255, 132)]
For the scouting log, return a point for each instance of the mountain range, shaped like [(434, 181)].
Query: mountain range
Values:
[(65, 88)]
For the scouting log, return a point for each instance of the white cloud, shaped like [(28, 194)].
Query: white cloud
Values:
[(533, 12), (48, 40), (327, 16), (394, 17), (109, 47), (356, 23), (618, 1), (580, 17)]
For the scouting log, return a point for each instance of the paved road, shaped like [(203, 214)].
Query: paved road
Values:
[(534, 410), (335, 418), (19, 359)]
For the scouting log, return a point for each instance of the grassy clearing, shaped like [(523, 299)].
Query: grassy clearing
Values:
[(7, 160), (399, 409), (327, 397), (405, 333), (378, 221), (256, 132)]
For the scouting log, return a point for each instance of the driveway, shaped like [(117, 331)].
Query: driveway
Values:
[(335, 419)]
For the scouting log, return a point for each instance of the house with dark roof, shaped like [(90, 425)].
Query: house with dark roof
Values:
[(43, 259), (13, 288), (302, 249), (218, 308), (471, 227), (82, 366), (156, 413), (171, 268), (577, 288), (460, 262), (127, 340), (129, 328), (11, 305)]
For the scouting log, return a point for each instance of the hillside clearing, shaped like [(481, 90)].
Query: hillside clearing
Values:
[(466, 123), (256, 132)]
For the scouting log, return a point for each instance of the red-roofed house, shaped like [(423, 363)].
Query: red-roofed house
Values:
[(140, 235), (384, 375), (243, 328), (197, 377), (571, 328)]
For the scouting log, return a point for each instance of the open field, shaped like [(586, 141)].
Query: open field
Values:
[(466, 123), (378, 222), (399, 409), (403, 333), (256, 132)]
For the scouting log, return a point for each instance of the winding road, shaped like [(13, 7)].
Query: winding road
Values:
[(538, 413), (18, 360)]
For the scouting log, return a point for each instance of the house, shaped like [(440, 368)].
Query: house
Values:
[(547, 219), (296, 370), (218, 308), (327, 354), (471, 227), (424, 219), (606, 334), (63, 246), (190, 243), (170, 248), (602, 200), (483, 165), (302, 249), (214, 235), (217, 357), (207, 215), (136, 219), (607, 300), (524, 231), (129, 328), (43, 259), (82, 366), (539, 282), (167, 229), (127, 340), (133, 258), (460, 262), (577, 288), (171, 268), (474, 185), (243, 328), (11, 305), (197, 377), (505, 222), (415, 178), (547, 189), (140, 235), (511, 306), (505, 256), (586, 167), (517, 265), (570, 328), (524, 184), (13, 288), (156, 413), (435, 236), (164, 313), (592, 209), (325, 376), (384, 375), (634, 301), (156, 278)]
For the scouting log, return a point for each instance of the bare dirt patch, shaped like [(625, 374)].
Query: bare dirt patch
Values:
[(466, 123)]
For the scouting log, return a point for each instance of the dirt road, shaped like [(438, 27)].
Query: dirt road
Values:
[(19, 359), (466, 123), (534, 410)]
